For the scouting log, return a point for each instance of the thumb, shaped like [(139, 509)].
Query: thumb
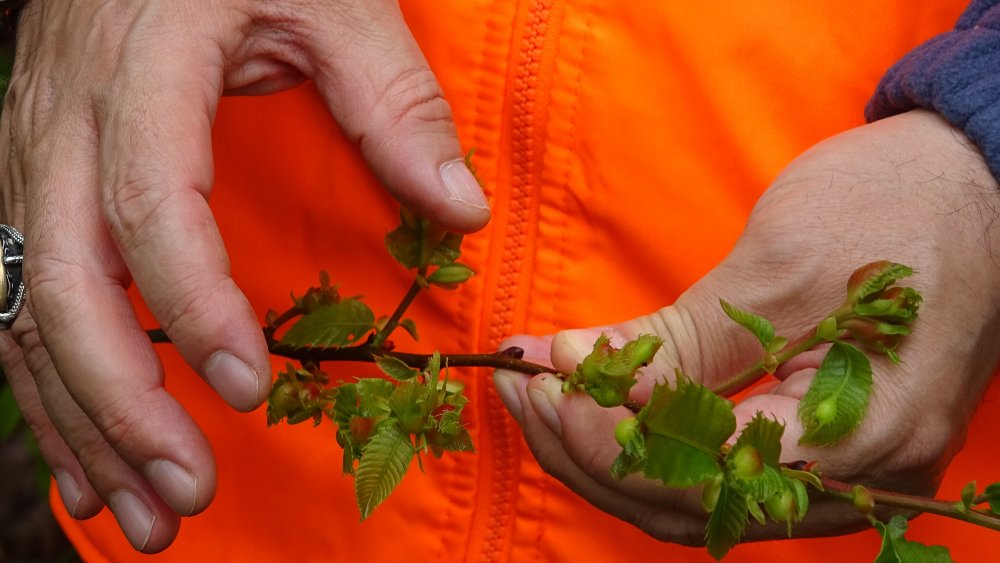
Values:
[(699, 338), (386, 99)]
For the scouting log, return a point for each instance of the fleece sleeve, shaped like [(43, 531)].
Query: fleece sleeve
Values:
[(956, 74)]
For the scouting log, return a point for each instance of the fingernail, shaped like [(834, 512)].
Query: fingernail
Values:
[(507, 389), (134, 518), (176, 486), (461, 185), (545, 405), (69, 491), (233, 379)]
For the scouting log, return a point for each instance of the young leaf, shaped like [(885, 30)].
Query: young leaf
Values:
[(872, 278), (897, 549), (607, 373), (759, 326), (727, 522), (410, 406), (410, 327), (395, 368), (335, 325), (686, 427), (992, 495), (381, 468), (838, 396), (968, 495)]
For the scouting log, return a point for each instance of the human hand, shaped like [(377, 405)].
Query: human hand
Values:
[(107, 157), (910, 189)]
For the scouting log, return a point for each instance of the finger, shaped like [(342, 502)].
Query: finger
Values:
[(148, 523), (79, 498), (157, 172), (87, 326), (380, 88)]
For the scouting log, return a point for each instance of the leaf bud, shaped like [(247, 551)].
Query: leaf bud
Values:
[(626, 430), (451, 275), (783, 507), (747, 462), (827, 329), (770, 363), (862, 500)]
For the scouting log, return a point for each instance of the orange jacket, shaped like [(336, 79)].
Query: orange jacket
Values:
[(622, 145)]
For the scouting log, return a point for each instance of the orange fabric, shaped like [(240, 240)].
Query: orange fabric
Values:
[(622, 145)]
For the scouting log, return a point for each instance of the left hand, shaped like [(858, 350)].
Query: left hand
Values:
[(907, 189)]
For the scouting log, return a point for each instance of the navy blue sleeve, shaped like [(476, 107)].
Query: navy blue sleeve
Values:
[(956, 74)]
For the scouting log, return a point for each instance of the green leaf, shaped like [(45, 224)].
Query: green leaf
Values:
[(897, 549), (10, 416), (837, 399), (332, 326), (418, 243), (410, 327), (727, 522), (381, 468), (686, 427), (759, 326), (373, 396), (410, 406), (395, 368), (992, 495)]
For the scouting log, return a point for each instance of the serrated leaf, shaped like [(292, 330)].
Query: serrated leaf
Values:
[(801, 500), (373, 396), (769, 483), (685, 428), (897, 549), (992, 496), (727, 522), (410, 406), (395, 368), (759, 326), (381, 468), (332, 326), (837, 399), (410, 327), (753, 507)]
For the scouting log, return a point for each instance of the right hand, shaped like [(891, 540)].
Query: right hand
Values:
[(105, 135)]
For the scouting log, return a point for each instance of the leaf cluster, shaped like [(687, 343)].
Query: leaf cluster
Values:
[(607, 373)]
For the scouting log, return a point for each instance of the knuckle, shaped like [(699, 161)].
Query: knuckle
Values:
[(132, 207), (191, 304), (50, 278), (414, 98)]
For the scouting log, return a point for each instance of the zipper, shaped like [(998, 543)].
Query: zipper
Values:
[(526, 133)]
